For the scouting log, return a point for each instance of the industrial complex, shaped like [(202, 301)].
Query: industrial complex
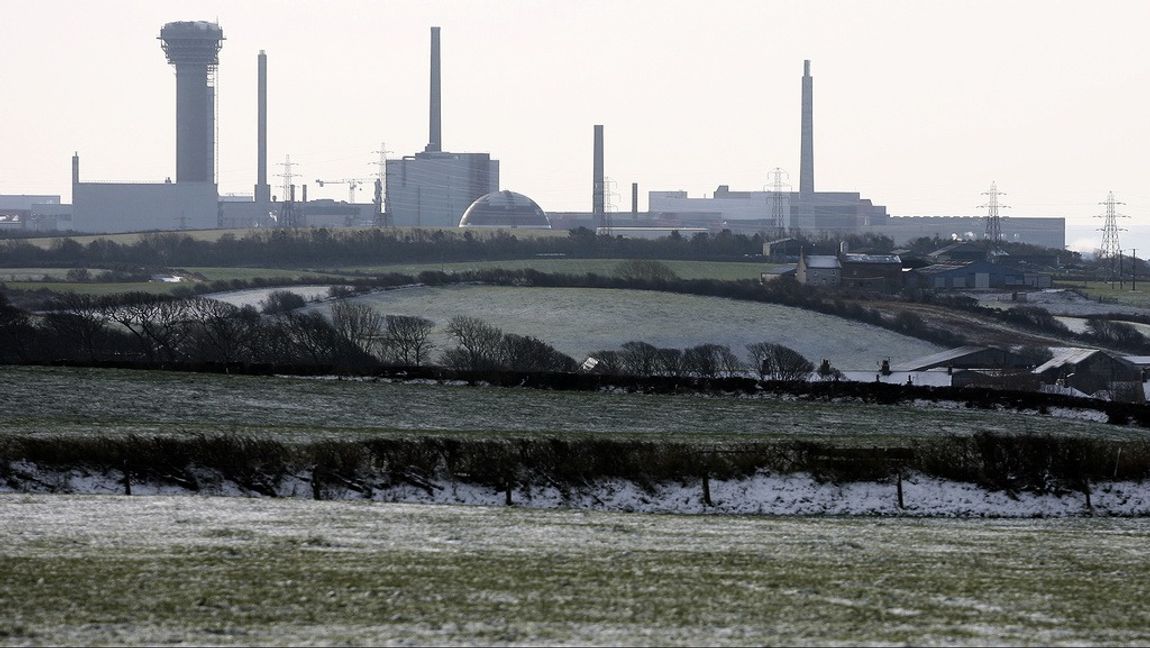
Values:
[(438, 188)]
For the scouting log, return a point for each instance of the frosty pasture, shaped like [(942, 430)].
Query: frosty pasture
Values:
[(121, 402), (164, 570), (578, 321)]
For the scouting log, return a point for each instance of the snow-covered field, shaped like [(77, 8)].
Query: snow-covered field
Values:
[(255, 296), (578, 321), (192, 570)]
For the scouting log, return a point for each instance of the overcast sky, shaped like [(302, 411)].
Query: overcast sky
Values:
[(919, 105)]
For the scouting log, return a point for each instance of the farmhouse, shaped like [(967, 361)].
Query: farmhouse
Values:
[(819, 270)]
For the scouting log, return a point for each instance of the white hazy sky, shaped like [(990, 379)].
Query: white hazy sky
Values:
[(919, 104)]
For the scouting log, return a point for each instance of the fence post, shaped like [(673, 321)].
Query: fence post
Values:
[(507, 493), (707, 490), (898, 487), (127, 479)]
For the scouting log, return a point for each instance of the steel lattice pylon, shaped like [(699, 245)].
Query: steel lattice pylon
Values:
[(1110, 249), (779, 200), (993, 220)]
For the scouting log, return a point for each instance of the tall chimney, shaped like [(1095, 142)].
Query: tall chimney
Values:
[(435, 135), (807, 150), (263, 192), (75, 169), (634, 200), (598, 187)]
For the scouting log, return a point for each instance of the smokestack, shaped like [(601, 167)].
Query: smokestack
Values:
[(75, 169), (807, 150), (598, 188), (634, 199), (304, 194), (263, 192), (435, 135), (193, 48)]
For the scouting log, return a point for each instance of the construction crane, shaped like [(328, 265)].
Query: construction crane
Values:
[(352, 185)]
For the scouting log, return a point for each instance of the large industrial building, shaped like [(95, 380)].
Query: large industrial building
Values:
[(192, 201), (433, 188), (819, 213)]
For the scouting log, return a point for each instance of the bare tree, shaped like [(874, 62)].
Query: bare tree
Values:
[(670, 362), (639, 358), (704, 360), (224, 333), (314, 340), (729, 363), (78, 318), (525, 353), (161, 325), (778, 362), (478, 344), (361, 324), (407, 340)]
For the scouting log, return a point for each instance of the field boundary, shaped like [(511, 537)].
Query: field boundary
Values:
[(983, 475)]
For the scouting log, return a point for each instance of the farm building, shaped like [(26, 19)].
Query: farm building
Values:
[(819, 270), (975, 274), (966, 357), (1092, 371), (879, 272)]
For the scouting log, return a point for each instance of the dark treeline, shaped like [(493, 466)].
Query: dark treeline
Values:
[(320, 247), (163, 330), (341, 468)]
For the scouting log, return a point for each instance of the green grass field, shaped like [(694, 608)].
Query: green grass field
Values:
[(119, 402), (234, 571), (92, 288), (1115, 293)]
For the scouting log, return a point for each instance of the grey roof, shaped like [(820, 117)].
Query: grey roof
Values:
[(938, 268), (939, 359), (873, 258), (1064, 356), (823, 261)]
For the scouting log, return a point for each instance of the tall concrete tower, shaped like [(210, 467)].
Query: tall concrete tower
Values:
[(435, 135), (263, 191), (193, 48), (598, 183), (807, 149)]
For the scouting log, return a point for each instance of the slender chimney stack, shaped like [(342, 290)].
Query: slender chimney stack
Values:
[(263, 192), (75, 169), (807, 150), (634, 199), (598, 187), (435, 135)]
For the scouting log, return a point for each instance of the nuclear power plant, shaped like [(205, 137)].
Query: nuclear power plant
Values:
[(438, 188)]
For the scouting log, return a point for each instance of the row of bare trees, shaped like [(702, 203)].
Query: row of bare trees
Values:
[(160, 329), (767, 360)]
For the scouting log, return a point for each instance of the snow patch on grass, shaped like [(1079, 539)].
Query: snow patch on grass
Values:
[(760, 494)]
